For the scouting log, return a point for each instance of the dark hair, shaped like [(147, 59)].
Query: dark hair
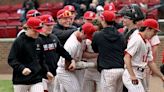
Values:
[(142, 29), (25, 26), (134, 21), (110, 22)]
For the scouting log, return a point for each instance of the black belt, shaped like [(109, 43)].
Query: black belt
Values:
[(140, 69)]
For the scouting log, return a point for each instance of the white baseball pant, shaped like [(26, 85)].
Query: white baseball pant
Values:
[(128, 83), (49, 85), (38, 87), (69, 81), (146, 80), (111, 80), (91, 80)]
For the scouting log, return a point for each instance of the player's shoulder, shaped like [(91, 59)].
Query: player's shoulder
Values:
[(135, 38)]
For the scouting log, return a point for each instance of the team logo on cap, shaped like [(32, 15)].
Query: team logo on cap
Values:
[(70, 8), (91, 14), (50, 19), (110, 7)]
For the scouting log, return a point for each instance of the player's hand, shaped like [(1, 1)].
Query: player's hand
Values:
[(26, 71), (50, 76), (72, 66), (134, 80)]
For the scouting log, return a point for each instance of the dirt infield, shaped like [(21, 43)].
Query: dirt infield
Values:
[(156, 84)]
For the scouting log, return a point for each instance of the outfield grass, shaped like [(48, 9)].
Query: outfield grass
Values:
[(6, 86)]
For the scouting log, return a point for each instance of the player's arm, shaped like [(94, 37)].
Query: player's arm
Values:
[(155, 70), (62, 52), (154, 41), (89, 55), (127, 60), (94, 44), (154, 50), (12, 58), (132, 48)]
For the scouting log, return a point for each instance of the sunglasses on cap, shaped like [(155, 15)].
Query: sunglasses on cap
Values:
[(66, 14), (35, 14)]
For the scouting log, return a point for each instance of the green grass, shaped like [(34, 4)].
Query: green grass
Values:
[(6, 86)]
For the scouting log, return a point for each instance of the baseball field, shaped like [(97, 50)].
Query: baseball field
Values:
[(6, 86), (156, 84)]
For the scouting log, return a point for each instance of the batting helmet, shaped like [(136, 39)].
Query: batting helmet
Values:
[(133, 12)]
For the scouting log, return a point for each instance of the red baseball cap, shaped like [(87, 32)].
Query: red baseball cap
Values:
[(89, 15), (152, 23), (88, 29), (110, 7), (109, 16), (63, 13), (32, 13), (47, 19), (35, 23), (70, 8)]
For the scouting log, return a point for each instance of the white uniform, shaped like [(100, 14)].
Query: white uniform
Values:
[(154, 41), (92, 76), (141, 53), (71, 81), (38, 87), (48, 85)]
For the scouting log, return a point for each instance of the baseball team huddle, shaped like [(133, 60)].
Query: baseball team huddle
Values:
[(110, 51)]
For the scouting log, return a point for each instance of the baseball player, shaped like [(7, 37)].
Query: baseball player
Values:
[(91, 76), (63, 29), (138, 56), (154, 42), (110, 45), (51, 46), (30, 13), (131, 16), (27, 61), (72, 10), (71, 80)]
